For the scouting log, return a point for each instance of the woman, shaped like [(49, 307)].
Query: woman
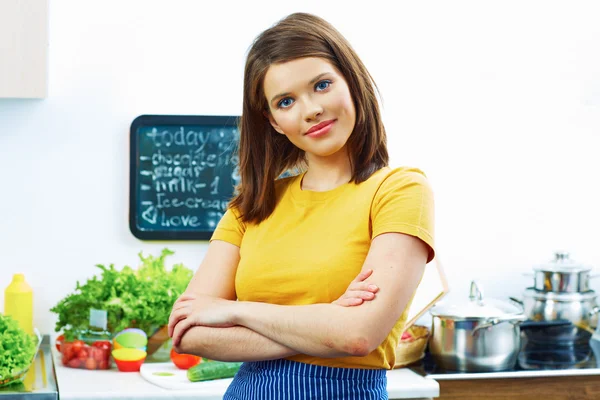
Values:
[(300, 253)]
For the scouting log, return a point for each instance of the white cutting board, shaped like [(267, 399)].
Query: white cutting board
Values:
[(168, 376)]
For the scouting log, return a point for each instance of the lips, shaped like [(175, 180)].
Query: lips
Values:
[(319, 126)]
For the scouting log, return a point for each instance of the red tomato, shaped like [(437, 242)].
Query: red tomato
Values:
[(67, 351), (102, 344), (184, 361), (74, 363), (96, 353), (83, 353), (58, 341), (90, 363), (77, 346), (406, 336)]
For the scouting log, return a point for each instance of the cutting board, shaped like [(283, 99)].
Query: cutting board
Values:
[(168, 376)]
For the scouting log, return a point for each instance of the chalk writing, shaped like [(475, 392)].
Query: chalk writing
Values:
[(184, 175)]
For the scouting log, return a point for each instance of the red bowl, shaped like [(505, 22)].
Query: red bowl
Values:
[(129, 360), (129, 366)]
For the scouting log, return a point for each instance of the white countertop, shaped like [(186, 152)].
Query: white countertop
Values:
[(79, 384)]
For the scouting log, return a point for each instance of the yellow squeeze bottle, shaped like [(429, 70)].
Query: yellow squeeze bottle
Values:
[(18, 302)]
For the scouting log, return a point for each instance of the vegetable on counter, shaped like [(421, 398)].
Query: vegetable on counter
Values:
[(184, 361), (17, 348), (207, 371), (78, 354), (141, 298)]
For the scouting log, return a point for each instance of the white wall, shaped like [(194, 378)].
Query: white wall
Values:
[(498, 102)]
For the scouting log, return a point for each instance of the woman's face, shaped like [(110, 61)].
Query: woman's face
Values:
[(310, 103)]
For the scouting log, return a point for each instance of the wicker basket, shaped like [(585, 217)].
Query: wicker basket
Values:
[(412, 348)]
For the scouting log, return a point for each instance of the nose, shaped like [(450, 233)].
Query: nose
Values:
[(312, 110)]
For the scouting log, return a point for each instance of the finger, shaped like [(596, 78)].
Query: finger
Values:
[(179, 330), (182, 305), (348, 302), (366, 295), (362, 287), (354, 301), (185, 297), (360, 294), (363, 275), (174, 318)]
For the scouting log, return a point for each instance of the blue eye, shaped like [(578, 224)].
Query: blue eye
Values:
[(322, 85), (285, 103)]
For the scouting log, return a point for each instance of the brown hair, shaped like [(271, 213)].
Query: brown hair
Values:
[(263, 154)]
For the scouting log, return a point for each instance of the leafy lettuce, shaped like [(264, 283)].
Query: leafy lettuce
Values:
[(140, 298), (17, 348)]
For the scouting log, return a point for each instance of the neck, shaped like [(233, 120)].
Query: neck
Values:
[(327, 173)]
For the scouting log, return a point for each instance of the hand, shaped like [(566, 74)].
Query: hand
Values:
[(199, 310), (358, 291), (180, 304)]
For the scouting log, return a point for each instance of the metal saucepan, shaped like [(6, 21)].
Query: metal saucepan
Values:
[(562, 275), (481, 335), (577, 308)]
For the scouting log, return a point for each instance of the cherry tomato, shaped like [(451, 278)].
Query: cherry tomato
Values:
[(74, 363), (67, 351), (96, 353), (102, 344), (184, 361), (90, 363), (77, 346), (83, 353), (59, 341)]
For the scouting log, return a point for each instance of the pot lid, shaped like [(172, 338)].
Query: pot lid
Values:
[(477, 307), (562, 263)]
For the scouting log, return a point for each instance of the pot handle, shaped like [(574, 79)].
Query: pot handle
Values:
[(475, 293), (515, 300), (515, 320)]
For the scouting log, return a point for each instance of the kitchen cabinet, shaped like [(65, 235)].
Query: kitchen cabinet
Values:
[(582, 387), (23, 48)]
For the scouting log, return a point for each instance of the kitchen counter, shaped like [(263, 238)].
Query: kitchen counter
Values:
[(576, 383), (521, 385), (81, 384)]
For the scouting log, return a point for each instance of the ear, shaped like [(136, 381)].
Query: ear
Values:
[(272, 122)]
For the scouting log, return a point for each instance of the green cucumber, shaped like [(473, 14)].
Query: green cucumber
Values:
[(206, 371)]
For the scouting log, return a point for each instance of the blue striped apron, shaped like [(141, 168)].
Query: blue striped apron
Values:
[(291, 380)]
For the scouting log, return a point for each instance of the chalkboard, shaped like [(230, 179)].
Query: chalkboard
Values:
[(183, 170)]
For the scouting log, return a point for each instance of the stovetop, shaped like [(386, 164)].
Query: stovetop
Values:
[(532, 357)]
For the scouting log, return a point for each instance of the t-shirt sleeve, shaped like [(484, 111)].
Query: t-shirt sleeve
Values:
[(404, 204), (230, 229)]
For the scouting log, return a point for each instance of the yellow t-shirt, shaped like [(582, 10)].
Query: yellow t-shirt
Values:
[(315, 243)]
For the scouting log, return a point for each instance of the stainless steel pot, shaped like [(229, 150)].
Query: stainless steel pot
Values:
[(575, 307), (481, 335), (562, 275)]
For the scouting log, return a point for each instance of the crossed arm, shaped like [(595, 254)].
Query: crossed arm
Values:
[(208, 321)]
